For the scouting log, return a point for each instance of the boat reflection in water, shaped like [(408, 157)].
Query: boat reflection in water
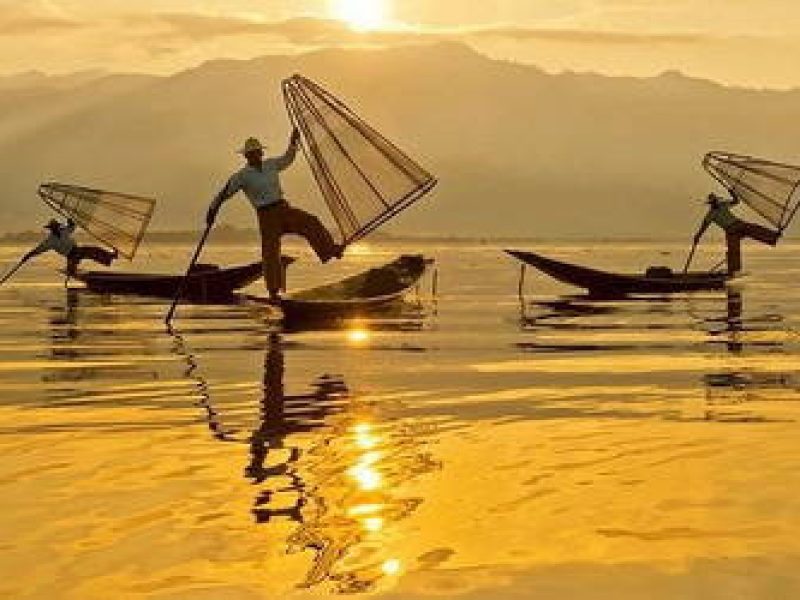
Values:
[(86, 344), (742, 359), (329, 461)]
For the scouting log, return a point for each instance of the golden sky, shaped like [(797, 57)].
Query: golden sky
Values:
[(734, 41)]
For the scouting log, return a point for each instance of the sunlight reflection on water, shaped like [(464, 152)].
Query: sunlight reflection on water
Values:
[(577, 446)]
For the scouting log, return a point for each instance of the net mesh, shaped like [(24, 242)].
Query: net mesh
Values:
[(116, 220), (364, 178), (769, 188)]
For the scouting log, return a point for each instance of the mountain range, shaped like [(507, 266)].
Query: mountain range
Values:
[(518, 151)]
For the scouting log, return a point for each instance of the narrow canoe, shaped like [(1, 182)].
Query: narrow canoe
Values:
[(204, 283), (606, 283), (363, 293)]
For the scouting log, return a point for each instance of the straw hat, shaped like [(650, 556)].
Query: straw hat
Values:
[(251, 145)]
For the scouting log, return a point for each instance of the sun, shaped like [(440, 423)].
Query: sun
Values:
[(363, 15)]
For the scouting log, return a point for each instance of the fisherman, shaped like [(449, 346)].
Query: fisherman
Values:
[(259, 179), (719, 213), (60, 240)]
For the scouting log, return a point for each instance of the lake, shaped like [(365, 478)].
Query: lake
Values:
[(467, 446)]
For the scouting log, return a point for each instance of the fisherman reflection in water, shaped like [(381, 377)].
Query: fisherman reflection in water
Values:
[(259, 179), (719, 213), (61, 241), (283, 415), (273, 427)]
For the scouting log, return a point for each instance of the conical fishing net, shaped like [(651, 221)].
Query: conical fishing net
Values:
[(364, 178), (116, 220), (769, 188)]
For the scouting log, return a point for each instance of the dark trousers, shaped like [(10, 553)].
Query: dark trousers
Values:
[(741, 230), (280, 219), (93, 253)]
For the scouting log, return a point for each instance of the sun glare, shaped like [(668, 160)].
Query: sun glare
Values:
[(358, 336), (391, 566), (362, 15)]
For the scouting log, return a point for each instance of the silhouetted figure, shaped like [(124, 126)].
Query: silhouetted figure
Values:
[(720, 214), (60, 240), (259, 179)]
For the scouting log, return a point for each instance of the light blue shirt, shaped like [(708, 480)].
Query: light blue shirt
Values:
[(261, 186)]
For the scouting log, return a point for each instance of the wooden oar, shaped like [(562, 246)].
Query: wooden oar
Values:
[(690, 258), (16, 268), (182, 286)]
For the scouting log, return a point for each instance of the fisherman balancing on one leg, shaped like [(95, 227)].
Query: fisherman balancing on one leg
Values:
[(60, 240), (259, 179), (719, 213)]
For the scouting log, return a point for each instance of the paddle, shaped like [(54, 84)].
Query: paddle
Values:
[(690, 257), (16, 268), (182, 286), (695, 242)]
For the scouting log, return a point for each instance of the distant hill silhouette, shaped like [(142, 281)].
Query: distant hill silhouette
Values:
[(519, 152)]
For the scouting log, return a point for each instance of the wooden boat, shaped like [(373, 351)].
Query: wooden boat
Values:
[(364, 293), (657, 280), (204, 283)]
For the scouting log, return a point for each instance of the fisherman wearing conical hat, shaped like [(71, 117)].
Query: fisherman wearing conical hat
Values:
[(259, 179), (720, 214), (60, 240)]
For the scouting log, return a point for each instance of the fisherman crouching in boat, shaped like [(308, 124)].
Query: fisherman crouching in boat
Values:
[(719, 213), (60, 240), (259, 179)]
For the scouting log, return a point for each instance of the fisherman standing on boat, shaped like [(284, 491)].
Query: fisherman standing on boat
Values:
[(719, 213), (259, 179), (61, 241)]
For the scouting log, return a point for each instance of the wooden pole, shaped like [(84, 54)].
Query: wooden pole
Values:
[(16, 268), (182, 286), (690, 257)]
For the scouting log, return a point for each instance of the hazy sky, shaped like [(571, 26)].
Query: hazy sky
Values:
[(734, 41)]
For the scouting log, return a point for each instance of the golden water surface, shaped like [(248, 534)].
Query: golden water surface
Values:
[(465, 449)]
